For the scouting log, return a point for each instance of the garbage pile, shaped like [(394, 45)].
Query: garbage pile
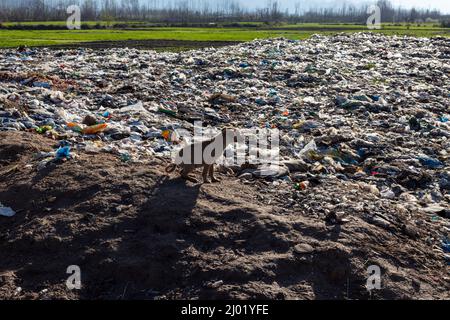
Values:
[(362, 107)]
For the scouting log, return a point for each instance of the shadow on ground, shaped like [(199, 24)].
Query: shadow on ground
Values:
[(139, 234)]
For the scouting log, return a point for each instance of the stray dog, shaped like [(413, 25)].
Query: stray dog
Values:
[(203, 154)]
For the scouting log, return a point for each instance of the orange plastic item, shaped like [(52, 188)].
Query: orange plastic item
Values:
[(95, 128), (170, 136), (74, 126), (166, 134)]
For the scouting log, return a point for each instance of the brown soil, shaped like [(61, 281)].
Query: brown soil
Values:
[(146, 44), (139, 234)]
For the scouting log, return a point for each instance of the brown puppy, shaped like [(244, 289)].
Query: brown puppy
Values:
[(203, 154)]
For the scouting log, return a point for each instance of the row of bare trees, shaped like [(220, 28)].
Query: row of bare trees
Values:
[(203, 11)]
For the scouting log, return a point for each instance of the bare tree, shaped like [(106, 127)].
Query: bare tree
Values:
[(203, 11)]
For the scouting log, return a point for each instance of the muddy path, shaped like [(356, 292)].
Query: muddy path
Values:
[(137, 233)]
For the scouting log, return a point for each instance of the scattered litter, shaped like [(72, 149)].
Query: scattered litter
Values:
[(303, 248), (63, 153), (359, 112), (6, 211)]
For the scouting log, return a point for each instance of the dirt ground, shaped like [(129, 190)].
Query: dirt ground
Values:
[(137, 233), (146, 44)]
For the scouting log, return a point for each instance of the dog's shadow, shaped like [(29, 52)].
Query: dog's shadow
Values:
[(173, 194)]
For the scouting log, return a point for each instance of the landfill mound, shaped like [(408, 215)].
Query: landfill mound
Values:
[(363, 178), (138, 234)]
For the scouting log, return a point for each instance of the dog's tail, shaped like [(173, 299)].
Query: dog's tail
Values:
[(171, 168)]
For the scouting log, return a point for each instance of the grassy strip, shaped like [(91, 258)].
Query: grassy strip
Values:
[(14, 38)]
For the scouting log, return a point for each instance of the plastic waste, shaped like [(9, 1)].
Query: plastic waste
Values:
[(135, 108), (309, 150), (40, 84), (63, 153), (430, 162), (74, 127), (6, 211), (95, 128), (125, 157), (444, 119), (43, 129), (302, 185), (345, 112), (170, 135)]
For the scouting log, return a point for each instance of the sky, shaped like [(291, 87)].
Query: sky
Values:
[(442, 5)]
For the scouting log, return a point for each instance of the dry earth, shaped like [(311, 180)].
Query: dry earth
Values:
[(137, 233)]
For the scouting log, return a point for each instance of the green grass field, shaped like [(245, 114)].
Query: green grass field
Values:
[(14, 38)]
